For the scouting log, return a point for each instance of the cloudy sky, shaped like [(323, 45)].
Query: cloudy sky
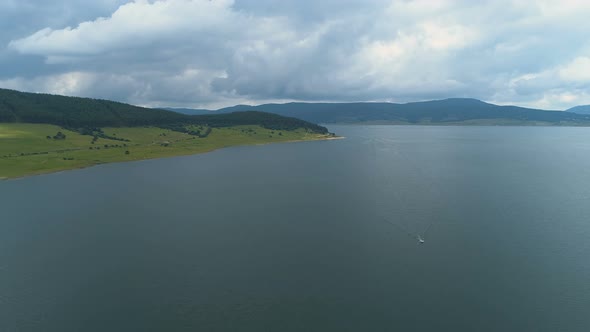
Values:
[(214, 53)]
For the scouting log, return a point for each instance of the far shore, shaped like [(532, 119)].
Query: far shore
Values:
[(474, 123)]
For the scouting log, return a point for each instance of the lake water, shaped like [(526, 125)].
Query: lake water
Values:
[(314, 236)]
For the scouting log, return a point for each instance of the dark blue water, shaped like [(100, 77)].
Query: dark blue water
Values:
[(314, 236)]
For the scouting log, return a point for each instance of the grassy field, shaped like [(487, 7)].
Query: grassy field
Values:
[(25, 149)]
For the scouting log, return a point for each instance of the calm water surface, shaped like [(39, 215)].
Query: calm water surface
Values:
[(310, 237)]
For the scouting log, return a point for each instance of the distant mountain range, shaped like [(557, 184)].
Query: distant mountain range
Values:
[(448, 111), (18, 106), (583, 109)]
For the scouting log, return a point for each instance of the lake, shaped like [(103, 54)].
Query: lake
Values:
[(311, 236)]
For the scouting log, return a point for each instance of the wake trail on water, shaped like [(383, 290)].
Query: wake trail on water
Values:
[(387, 152)]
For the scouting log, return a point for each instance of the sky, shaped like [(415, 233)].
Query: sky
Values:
[(216, 53)]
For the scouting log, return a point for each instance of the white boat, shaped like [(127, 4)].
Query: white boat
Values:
[(420, 240)]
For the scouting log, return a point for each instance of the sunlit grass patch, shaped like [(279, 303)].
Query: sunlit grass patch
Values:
[(27, 149)]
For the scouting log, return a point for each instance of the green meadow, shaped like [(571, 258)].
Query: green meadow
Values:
[(28, 149)]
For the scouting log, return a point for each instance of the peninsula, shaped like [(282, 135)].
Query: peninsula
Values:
[(41, 133)]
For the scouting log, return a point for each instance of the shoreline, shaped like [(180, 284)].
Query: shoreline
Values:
[(2, 179), (457, 124)]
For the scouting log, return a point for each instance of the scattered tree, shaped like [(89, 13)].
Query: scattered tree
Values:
[(59, 136)]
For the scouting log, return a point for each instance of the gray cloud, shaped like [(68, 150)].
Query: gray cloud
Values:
[(220, 52)]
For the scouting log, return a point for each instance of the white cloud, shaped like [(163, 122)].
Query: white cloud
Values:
[(578, 70), (210, 52), (63, 84), (131, 25)]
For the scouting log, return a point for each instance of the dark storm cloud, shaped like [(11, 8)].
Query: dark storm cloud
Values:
[(219, 52)]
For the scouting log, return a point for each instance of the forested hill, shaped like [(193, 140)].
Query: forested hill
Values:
[(447, 111), (74, 112), (582, 109)]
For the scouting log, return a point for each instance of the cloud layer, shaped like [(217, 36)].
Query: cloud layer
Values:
[(209, 53)]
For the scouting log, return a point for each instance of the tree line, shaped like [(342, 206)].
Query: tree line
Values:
[(86, 115)]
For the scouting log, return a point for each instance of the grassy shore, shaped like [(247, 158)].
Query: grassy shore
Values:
[(25, 149)]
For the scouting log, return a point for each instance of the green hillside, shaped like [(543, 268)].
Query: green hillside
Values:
[(75, 113), (42, 133)]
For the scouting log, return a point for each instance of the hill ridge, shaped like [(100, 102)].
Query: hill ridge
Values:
[(78, 112), (580, 109), (442, 111)]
